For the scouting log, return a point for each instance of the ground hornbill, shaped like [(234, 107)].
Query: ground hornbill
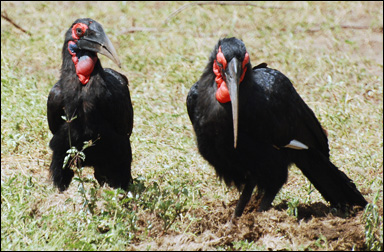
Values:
[(251, 125), (90, 103)]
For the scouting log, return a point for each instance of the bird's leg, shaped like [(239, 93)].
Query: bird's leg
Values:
[(61, 177), (115, 175), (266, 201), (244, 199), (100, 177)]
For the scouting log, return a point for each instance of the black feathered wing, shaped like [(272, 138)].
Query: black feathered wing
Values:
[(118, 108), (55, 109), (285, 117), (191, 102), (280, 110)]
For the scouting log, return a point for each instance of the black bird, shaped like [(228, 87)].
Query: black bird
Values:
[(98, 104), (251, 125)]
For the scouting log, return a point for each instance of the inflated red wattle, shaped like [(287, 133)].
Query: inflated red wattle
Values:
[(84, 66), (222, 94)]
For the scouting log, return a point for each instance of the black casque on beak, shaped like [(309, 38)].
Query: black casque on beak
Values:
[(96, 40), (232, 75)]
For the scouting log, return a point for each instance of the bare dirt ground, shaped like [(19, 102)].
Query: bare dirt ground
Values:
[(271, 230)]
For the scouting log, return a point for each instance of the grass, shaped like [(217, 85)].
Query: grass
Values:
[(338, 72)]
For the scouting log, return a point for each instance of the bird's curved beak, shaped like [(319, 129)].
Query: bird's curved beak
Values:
[(97, 41), (232, 74)]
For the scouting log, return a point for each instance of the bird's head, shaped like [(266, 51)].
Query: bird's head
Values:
[(230, 64), (83, 40)]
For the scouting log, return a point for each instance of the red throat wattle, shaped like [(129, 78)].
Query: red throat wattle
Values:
[(222, 93), (84, 65)]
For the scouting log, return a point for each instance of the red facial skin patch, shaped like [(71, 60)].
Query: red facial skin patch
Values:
[(78, 30), (222, 93), (245, 61), (84, 65)]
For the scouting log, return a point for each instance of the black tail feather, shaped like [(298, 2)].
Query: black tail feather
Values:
[(332, 183)]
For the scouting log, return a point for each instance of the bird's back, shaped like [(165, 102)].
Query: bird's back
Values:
[(277, 112), (119, 103)]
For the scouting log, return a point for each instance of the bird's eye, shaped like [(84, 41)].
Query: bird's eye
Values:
[(79, 32), (221, 59)]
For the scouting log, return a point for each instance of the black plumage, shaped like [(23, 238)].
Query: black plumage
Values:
[(251, 125), (98, 103)]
